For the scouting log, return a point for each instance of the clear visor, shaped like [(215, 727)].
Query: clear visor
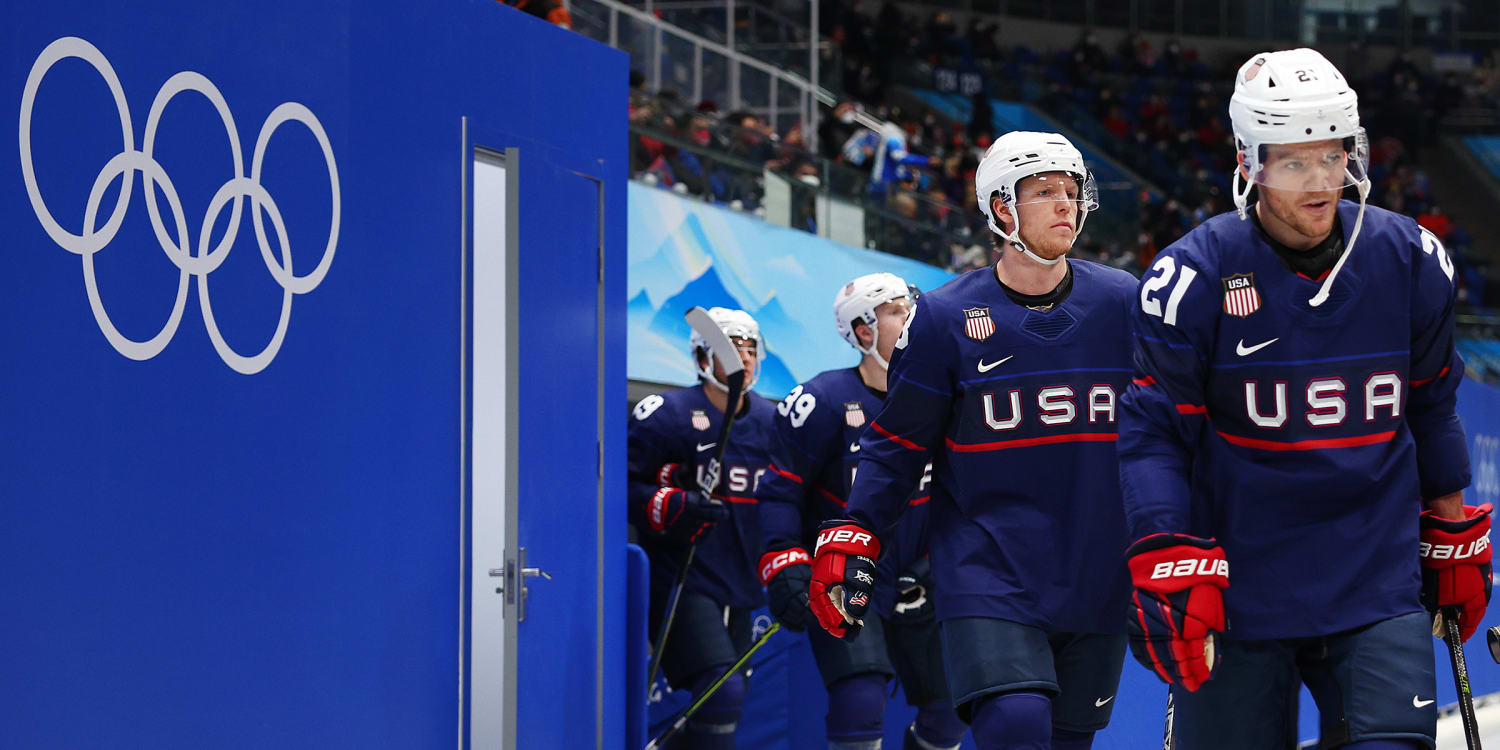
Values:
[(1333, 164), (1054, 187), (745, 345)]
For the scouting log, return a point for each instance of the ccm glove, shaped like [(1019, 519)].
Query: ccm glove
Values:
[(1178, 606), (786, 574), (843, 576), (684, 514), (1456, 567)]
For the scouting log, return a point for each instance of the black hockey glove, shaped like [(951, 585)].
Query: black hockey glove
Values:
[(786, 574), (684, 514)]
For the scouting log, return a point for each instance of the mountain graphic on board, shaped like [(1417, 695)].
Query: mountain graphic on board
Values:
[(708, 291), (705, 291), (639, 309)]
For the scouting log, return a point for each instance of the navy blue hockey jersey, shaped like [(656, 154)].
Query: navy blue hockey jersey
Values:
[(1302, 438), (1018, 409), (814, 461), (682, 427)]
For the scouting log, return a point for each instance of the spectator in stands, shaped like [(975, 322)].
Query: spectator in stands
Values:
[(1434, 221), (551, 11), (834, 131)]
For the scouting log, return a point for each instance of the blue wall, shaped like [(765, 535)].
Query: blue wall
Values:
[(195, 557)]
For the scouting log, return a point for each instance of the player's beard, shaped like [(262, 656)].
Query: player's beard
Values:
[(1289, 208), (1050, 245)]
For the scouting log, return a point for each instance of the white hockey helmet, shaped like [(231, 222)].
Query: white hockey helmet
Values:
[(1020, 154), (856, 302), (1289, 97), (1298, 96), (736, 324)]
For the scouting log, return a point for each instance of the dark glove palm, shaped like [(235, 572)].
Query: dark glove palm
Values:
[(786, 593), (684, 514)]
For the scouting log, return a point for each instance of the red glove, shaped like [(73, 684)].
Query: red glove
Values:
[(1178, 606), (1456, 567), (684, 514), (843, 576)]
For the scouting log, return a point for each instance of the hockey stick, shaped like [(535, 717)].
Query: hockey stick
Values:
[(1168, 737), (1461, 676), (728, 356), (713, 688)]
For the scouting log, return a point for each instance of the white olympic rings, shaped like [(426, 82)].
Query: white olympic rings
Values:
[(189, 263)]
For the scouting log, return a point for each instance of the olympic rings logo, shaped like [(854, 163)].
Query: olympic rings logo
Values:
[(233, 192)]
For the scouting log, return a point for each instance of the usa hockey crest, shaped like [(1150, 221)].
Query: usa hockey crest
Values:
[(1240, 297), (978, 324), (854, 414), (700, 420)]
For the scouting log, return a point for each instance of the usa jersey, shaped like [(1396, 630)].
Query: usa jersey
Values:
[(814, 461), (682, 428), (1018, 409), (1302, 438)]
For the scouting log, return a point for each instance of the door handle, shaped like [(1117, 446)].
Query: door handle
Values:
[(526, 590)]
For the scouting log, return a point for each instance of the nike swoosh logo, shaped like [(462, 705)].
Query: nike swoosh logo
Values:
[(1099, 702), (1420, 703), (705, 446), (992, 365), (854, 447), (1245, 351)]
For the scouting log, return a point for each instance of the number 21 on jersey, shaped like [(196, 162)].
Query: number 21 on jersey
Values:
[(1150, 304)]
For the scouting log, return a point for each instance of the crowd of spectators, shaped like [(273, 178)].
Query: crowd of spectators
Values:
[(1160, 112)]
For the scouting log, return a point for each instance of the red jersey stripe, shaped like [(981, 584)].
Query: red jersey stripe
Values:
[(1425, 381), (897, 439), (1076, 437), (787, 474), (1309, 445)]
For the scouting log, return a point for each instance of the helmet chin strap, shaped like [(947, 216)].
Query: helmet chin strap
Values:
[(1322, 296), (1241, 196), (874, 350), (1014, 238)]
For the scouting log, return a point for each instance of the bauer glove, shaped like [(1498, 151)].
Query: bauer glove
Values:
[(843, 576), (684, 514), (1456, 567), (1178, 606)]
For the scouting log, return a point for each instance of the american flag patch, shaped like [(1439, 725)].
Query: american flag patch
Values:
[(1240, 297), (977, 323), (854, 414), (700, 420)]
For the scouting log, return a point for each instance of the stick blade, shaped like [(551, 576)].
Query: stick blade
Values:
[(723, 349)]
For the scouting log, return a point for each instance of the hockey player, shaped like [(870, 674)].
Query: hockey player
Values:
[(1008, 376), (1290, 457), (812, 464), (672, 436)]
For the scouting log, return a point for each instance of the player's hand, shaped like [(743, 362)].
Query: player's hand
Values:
[(1456, 567), (786, 574), (676, 475), (684, 514), (913, 603), (843, 576), (1178, 606)]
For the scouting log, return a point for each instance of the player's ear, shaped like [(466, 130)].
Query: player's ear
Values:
[(1002, 212), (1239, 158), (863, 333)]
